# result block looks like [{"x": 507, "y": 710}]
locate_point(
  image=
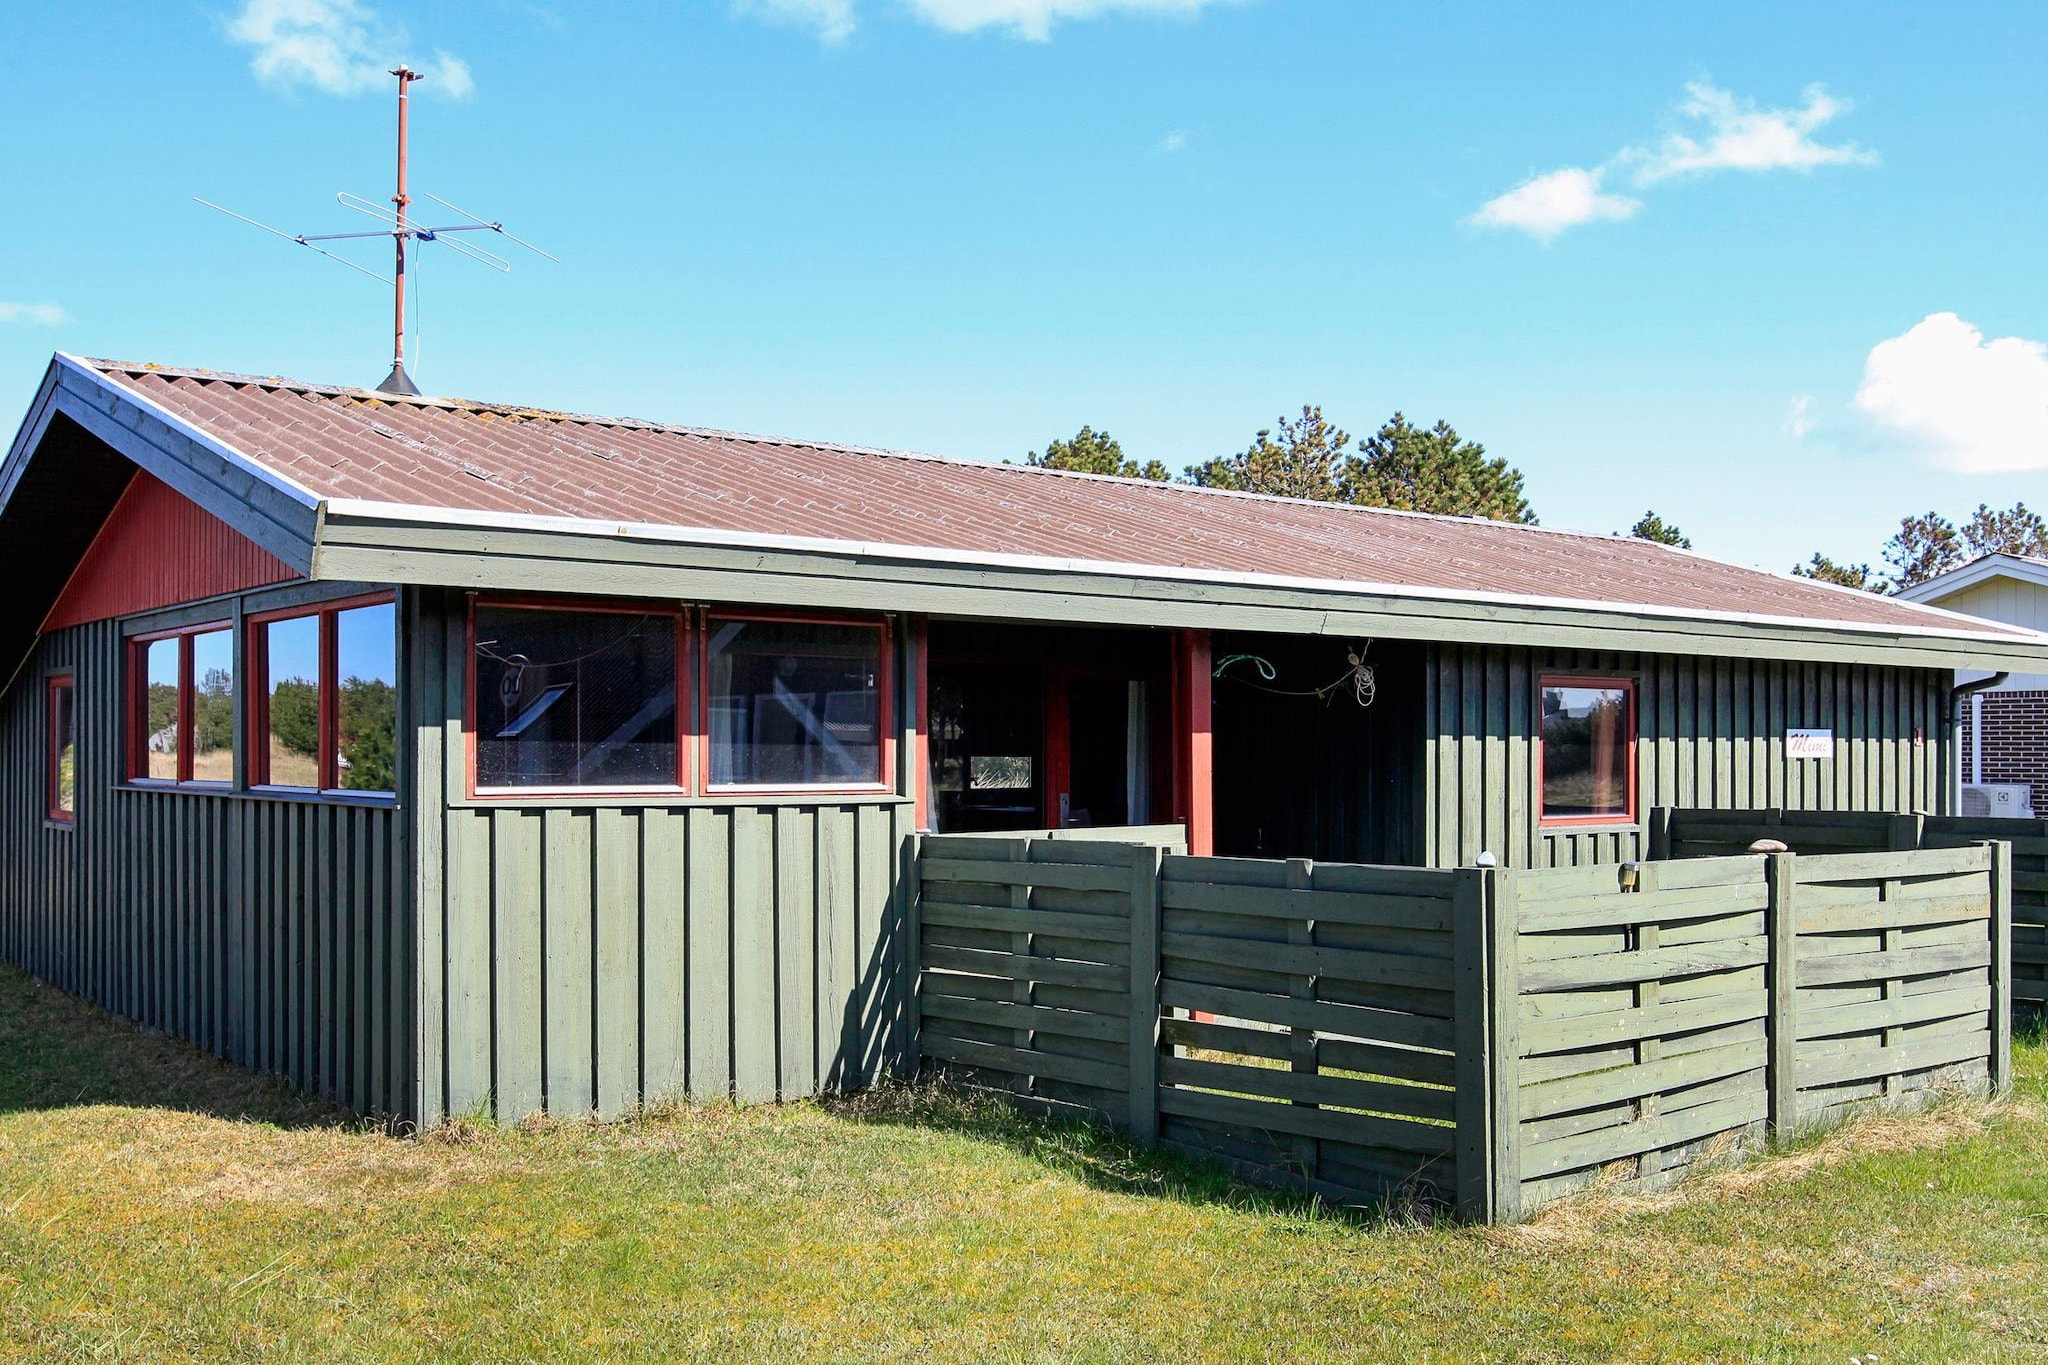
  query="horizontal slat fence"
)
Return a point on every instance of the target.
[
  {"x": 1641, "y": 1020},
  {"x": 1314, "y": 1035},
  {"x": 1479, "y": 1039},
  {"x": 1700, "y": 833},
  {"x": 1894, "y": 969}
]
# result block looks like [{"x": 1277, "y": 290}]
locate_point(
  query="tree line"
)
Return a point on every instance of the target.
[
  {"x": 1929, "y": 544},
  {"x": 1402, "y": 466}
]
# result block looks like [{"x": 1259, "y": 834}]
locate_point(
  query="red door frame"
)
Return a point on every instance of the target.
[{"x": 1194, "y": 791}]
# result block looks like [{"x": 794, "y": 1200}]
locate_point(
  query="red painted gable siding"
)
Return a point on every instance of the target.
[{"x": 157, "y": 549}]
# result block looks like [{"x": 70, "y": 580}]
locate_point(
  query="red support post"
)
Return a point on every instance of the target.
[
  {"x": 1193, "y": 763},
  {"x": 918, "y": 648}
]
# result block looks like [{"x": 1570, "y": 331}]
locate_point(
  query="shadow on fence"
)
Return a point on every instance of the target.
[{"x": 1475, "y": 1039}]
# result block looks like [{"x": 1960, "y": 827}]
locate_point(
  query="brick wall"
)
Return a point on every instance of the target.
[{"x": 2015, "y": 741}]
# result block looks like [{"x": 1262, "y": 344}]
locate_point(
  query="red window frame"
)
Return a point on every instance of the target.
[
  {"x": 1605, "y": 683},
  {"x": 686, "y": 739},
  {"x": 53, "y": 807},
  {"x": 693, "y": 748},
  {"x": 257, "y": 663},
  {"x": 885, "y": 719},
  {"x": 138, "y": 704}
]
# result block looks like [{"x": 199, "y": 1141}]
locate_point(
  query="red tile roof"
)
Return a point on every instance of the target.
[{"x": 488, "y": 458}]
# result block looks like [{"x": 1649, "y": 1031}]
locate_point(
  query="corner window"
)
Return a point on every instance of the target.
[
  {"x": 62, "y": 803},
  {"x": 181, "y": 707},
  {"x": 578, "y": 697},
  {"x": 793, "y": 704},
  {"x": 325, "y": 714},
  {"x": 1588, "y": 745}
]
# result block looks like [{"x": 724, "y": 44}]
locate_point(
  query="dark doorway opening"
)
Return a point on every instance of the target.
[
  {"x": 1046, "y": 727},
  {"x": 1336, "y": 777}
]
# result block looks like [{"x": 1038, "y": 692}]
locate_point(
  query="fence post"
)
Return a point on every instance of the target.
[
  {"x": 913, "y": 928},
  {"x": 1903, "y": 833},
  {"x": 1144, "y": 1058},
  {"x": 1660, "y": 834},
  {"x": 1783, "y": 928},
  {"x": 2001, "y": 967},
  {"x": 1486, "y": 1027}
]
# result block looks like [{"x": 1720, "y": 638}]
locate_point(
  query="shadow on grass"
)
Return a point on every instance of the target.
[
  {"x": 1103, "y": 1158},
  {"x": 59, "y": 1052}
]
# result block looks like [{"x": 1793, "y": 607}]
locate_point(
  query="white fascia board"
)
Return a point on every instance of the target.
[
  {"x": 198, "y": 435},
  {"x": 751, "y": 540},
  {"x": 1977, "y": 571}
]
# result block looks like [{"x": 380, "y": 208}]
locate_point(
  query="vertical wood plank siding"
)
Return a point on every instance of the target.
[
  {"x": 1711, "y": 733},
  {"x": 273, "y": 933},
  {"x": 592, "y": 957}
]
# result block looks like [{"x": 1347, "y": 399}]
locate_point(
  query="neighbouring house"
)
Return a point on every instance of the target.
[
  {"x": 2003, "y": 737},
  {"x": 445, "y": 755}
]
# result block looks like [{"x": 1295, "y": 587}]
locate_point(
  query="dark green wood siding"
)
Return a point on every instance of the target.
[
  {"x": 1711, "y": 734},
  {"x": 589, "y": 956},
  {"x": 273, "y": 933}
]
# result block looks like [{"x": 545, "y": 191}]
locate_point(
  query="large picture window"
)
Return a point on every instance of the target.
[
  {"x": 794, "y": 703},
  {"x": 324, "y": 716},
  {"x": 577, "y": 697},
  {"x": 1588, "y": 751},
  {"x": 62, "y": 801},
  {"x": 181, "y": 706}
]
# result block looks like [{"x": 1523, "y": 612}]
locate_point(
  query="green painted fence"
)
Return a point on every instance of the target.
[{"x": 1480, "y": 1039}]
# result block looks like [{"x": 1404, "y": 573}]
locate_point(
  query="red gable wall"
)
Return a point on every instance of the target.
[{"x": 157, "y": 549}]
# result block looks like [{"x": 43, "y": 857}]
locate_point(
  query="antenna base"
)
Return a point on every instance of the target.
[{"x": 398, "y": 381}]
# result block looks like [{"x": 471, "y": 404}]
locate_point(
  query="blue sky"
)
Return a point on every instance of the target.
[{"x": 1713, "y": 279}]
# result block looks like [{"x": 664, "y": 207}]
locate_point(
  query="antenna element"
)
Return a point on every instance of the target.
[{"x": 405, "y": 234}]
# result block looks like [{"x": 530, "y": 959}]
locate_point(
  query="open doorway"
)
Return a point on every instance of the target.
[
  {"x": 1046, "y": 727},
  {"x": 1315, "y": 756}
]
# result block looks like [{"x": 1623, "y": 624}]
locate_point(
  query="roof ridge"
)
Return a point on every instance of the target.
[{"x": 528, "y": 412}]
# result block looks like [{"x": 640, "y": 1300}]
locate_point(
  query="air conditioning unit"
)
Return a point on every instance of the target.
[{"x": 2004, "y": 800}]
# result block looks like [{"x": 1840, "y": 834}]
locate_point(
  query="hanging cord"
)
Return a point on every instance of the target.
[{"x": 1358, "y": 679}]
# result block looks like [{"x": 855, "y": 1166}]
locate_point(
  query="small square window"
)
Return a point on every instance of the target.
[
  {"x": 794, "y": 704},
  {"x": 326, "y": 716},
  {"x": 1588, "y": 744},
  {"x": 181, "y": 707}
]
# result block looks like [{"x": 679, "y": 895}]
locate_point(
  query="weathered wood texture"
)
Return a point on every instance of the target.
[
  {"x": 1643, "y": 1021},
  {"x": 590, "y": 956},
  {"x": 1696, "y": 833},
  {"x": 274, "y": 933},
  {"x": 1676, "y": 1018},
  {"x": 1711, "y": 734}
]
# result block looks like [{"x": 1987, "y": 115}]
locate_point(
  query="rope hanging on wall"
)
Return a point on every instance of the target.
[{"x": 1358, "y": 680}]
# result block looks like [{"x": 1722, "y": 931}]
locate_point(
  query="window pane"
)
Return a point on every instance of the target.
[
  {"x": 365, "y": 640},
  {"x": 213, "y": 706},
  {"x": 575, "y": 699},
  {"x": 64, "y": 728},
  {"x": 1586, "y": 751},
  {"x": 159, "y": 718},
  {"x": 291, "y": 651},
  {"x": 794, "y": 704}
]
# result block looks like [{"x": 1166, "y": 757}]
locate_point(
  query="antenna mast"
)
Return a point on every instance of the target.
[
  {"x": 399, "y": 381},
  {"x": 403, "y": 232}
]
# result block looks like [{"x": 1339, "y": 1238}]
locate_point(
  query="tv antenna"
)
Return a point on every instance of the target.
[{"x": 406, "y": 236}]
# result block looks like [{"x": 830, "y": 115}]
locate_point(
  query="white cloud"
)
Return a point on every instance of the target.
[
  {"x": 34, "y": 314},
  {"x": 832, "y": 20},
  {"x": 1735, "y": 136},
  {"x": 337, "y": 47},
  {"x": 1742, "y": 137},
  {"x": 1973, "y": 406},
  {"x": 1799, "y": 416},
  {"x": 1174, "y": 141},
  {"x": 1033, "y": 20},
  {"x": 1547, "y": 204}
]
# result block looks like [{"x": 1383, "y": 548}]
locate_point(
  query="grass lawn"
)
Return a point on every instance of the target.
[{"x": 155, "y": 1204}]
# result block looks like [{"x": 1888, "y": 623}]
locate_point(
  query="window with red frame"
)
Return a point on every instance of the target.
[
  {"x": 324, "y": 712},
  {"x": 62, "y": 805},
  {"x": 182, "y": 706},
  {"x": 1589, "y": 747},
  {"x": 582, "y": 697},
  {"x": 794, "y": 704}
]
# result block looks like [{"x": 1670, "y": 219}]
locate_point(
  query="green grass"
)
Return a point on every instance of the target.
[{"x": 156, "y": 1205}]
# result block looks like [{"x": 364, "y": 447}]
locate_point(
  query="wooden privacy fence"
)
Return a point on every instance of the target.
[
  {"x": 1480, "y": 1039},
  {"x": 1683, "y": 833}
]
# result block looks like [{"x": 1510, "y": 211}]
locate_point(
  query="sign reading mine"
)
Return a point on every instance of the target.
[{"x": 1809, "y": 744}]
